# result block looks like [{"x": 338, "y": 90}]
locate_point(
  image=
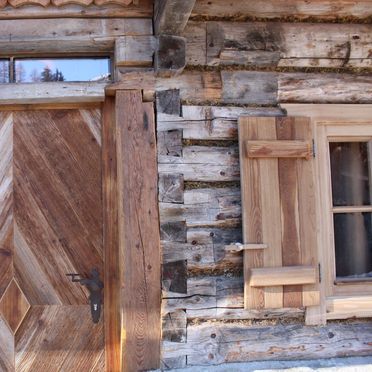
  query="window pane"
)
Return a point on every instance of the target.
[
  {"x": 353, "y": 244},
  {"x": 350, "y": 172},
  {"x": 4, "y": 71},
  {"x": 77, "y": 69}
]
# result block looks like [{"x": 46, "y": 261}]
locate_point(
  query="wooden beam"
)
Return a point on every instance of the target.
[
  {"x": 111, "y": 239},
  {"x": 56, "y": 93},
  {"x": 238, "y": 247},
  {"x": 143, "y": 9},
  {"x": 171, "y": 16},
  {"x": 278, "y": 149},
  {"x": 138, "y": 224},
  {"x": 290, "y": 275},
  {"x": 132, "y": 51},
  {"x": 95, "y": 36}
]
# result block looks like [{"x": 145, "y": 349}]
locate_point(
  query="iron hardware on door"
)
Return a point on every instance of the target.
[{"x": 94, "y": 286}]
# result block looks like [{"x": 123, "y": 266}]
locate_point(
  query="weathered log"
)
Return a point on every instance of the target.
[
  {"x": 143, "y": 9},
  {"x": 321, "y": 9},
  {"x": 134, "y": 50},
  {"x": 325, "y": 88},
  {"x": 272, "y": 44},
  {"x": 202, "y": 207}
]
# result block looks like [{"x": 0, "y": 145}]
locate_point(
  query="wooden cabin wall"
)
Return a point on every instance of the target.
[{"x": 244, "y": 58}]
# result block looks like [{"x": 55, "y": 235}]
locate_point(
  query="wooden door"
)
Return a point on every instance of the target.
[{"x": 50, "y": 225}]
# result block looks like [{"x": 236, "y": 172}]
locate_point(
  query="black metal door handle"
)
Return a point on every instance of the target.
[{"x": 94, "y": 286}]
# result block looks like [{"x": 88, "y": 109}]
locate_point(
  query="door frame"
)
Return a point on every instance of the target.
[{"x": 131, "y": 231}]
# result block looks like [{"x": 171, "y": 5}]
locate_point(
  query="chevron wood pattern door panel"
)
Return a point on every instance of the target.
[{"x": 50, "y": 225}]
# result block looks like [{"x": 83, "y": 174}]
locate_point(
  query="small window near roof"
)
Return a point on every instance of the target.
[
  {"x": 351, "y": 169},
  {"x": 4, "y": 71},
  {"x": 61, "y": 69}
]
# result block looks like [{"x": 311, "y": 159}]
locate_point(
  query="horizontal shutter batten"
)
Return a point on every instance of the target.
[{"x": 278, "y": 149}]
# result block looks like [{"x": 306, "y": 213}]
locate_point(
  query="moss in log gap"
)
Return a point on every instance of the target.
[
  {"x": 222, "y": 269},
  {"x": 209, "y": 143},
  {"x": 218, "y": 103},
  {"x": 285, "y": 319},
  {"x": 194, "y": 185},
  {"x": 239, "y": 17},
  {"x": 283, "y": 69}
]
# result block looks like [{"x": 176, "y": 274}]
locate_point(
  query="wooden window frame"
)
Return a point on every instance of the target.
[{"x": 346, "y": 300}]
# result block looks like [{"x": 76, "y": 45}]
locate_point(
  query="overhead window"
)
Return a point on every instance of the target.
[{"x": 36, "y": 70}]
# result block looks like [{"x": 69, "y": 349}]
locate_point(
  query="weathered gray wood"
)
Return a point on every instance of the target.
[
  {"x": 202, "y": 163},
  {"x": 279, "y": 44},
  {"x": 171, "y": 16},
  {"x": 174, "y": 326},
  {"x": 134, "y": 50},
  {"x": 59, "y": 92},
  {"x": 249, "y": 87},
  {"x": 173, "y": 232},
  {"x": 142, "y": 9},
  {"x": 170, "y": 143},
  {"x": 174, "y": 276},
  {"x": 325, "y": 88},
  {"x": 168, "y": 102},
  {"x": 177, "y": 362},
  {"x": 294, "y": 342},
  {"x": 170, "y": 55},
  {"x": 208, "y": 122},
  {"x": 322, "y": 9},
  {"x": 171, "y": 188},
  {"x": 202, "y": 207},
  {"x": 30, "y": 36}
]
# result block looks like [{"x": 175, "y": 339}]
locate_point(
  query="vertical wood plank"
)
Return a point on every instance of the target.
[
  {"x": 139, "y": 241},
  {"x": 271, "y": 217},
  {"x": 111, "y": 239},
  {"x": 252, "y": 221},
  {"x": 307, "y": 211},
  {"x": 6, "y": 197},
  {"x": 291, "y": 254}
]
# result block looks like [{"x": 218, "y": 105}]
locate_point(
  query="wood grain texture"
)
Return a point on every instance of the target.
[
  {"x": 51, "y": 213},
  {"x": 111, "y": 239},
  {"x": 139, "y": 240},
  {"x": 278, "y": 149},
  {"x": 288, "y": 188},
  {"x": 252, "y": 214},
  {"x": 65, "y": 334},
  {"x": 13, "y": 306},
  {"x": 58, "y": 3},
  {"x": 322, "y": 9},
  {"x": 171, "y": 16},
  {"x": 290, "y": 275},
  {"x": 143, "y": 9},
  {"x": 6, "y": 197},
  {"x": 283, "y": 209}
]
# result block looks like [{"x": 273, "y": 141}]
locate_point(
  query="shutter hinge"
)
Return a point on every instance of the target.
[
  {"x": 314, "y": 149},
  {"x": 320, "y": 273}
]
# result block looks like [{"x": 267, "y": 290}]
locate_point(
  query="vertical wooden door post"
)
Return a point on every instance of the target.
[{"x": 132, "y": 133}]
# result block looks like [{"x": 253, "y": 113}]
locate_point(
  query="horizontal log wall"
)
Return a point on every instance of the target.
[{"x": 242, "y": 62}]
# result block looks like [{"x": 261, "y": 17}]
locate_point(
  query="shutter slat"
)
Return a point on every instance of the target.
[
  {"x": 252, "y": 229},
  {"x": 278, "y": 210},
  {"x": 270, "y": 201}
]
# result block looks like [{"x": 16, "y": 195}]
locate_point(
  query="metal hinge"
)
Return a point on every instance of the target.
[
  {"x": 320, "y": 273},
  {"x": 314, "y": 150}
]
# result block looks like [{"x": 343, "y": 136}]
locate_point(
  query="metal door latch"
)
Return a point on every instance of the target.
[{"x": 94, "y": 286}]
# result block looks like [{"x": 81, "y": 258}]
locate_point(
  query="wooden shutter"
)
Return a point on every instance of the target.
[{"x": 278, "y": 199}]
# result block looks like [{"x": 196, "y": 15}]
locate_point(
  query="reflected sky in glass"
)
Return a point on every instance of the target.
[
  {"x": 4, "y": 71},
  {"x": 78, "y": 69}
]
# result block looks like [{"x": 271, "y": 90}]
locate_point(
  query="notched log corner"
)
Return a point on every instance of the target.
[
  {"x": 170, "y": 55},
  {"x": 175, "y": 276}
]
